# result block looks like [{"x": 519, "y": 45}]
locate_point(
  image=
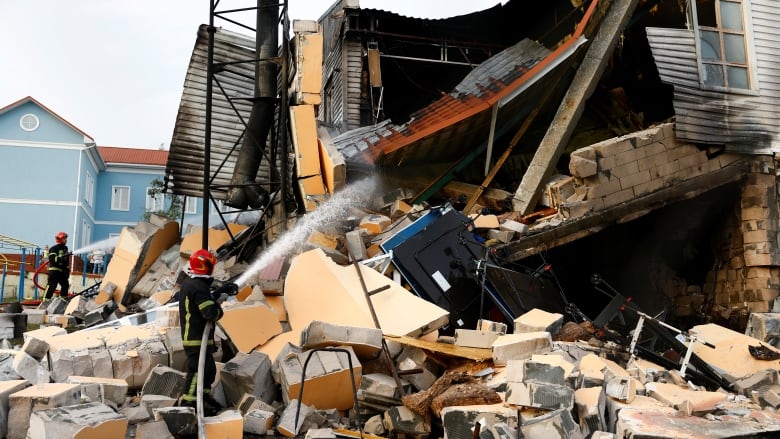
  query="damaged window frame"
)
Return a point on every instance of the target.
[{"x": 716, "y": 27}]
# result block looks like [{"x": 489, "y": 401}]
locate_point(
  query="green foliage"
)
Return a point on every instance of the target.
[{"x": 174, "y": 203}]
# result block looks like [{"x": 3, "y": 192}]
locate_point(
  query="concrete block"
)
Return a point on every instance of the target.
[
  {"x": 136, "y": 250},
  {"x": 757, "y": 382},
  {"x": 544, "y": 396},
  {"x": 537, "y": 320},
  {"x": 555, "y": 424},
  {"x": 248, "y": 373},
  {"x": 320, "y": 433},
  {"x": 134, "y": 352},
  {"x": 104, "y": 313},
  {"x": 484, "y": 221},
  {"x": 181, "y": 421},
  {"x": 177, "y": 358},
  {"x": 8, "y": 388},
  {"x": 355, "y": 245},
  {"x": 762, "y": 326},
  {"x": 582, "y": 167},
  {"x": 402, "y": 422},
  {"x": 57, "y": 305},
  {"x": 90, "y": 420},
  {"x": 731, "y": 355},
  {"x": 77, "y": 307},
  {"x": 513, "y": 226},
  {"x": 590, "y": 404},
  {"x": 227, "y": 424},
  {"x": 504, "y": 236},
  {"x": 34, "y": 316},
  {"x": 153, "y": 430},
  {"x": 520, "y": 346},
  {"x": 35, "y": 347},
  {"x": 366, "y": 342},
  {"x": 379, "y": 392},
  {"x": 81, "y": 353},
  {"x": 287, "y": 426},
  {"x": 30, "y": 369},
  {"x": 327, "y": 382},
  {"x": 666, "y": 423},
  {"x": 421, "y": 380},
  {"x": 491, "y": 326},
  {"x": 474, "y": 338},
  {"x": 543, "y": 373},
  {"x": 458, "y": 421},
  {"x": 153, "y": 402},
  {"x": 164, "y": 380},
  {"x": 259, "y": 316},
  {"x": 621, "y": 388},
  {"x": 259, "y": 421},
  {"x": 334, "y": 167},
  {"x": 135, "y": 414},
  {"x": 34, "y": 398},
  {"x": 676, "y": 396},
  {"x": 374, "y": 224}
]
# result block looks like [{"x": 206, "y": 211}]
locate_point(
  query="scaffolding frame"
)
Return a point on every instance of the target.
[{"x": 277, "y": 157}]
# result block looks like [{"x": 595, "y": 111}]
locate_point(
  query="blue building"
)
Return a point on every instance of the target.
[{"x": 54, "y": 177}]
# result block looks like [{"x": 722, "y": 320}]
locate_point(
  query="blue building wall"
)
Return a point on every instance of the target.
[{"x": 44, "y": 180}]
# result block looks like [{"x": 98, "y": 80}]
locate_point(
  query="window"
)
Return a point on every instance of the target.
[
  {"x": 89, "y": 189},
  {"x": 191, "y": 205},
  {"x": 723, "y": 53},
  {"x": 86, "y": 233},
  {"x": 220, "y": 206},
  {"x": 120, "y": 198},
  {"x": 154, "y": 201},
  {"x": 29, "y": 122}
]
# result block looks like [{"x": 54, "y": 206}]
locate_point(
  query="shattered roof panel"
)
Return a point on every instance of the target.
[
  {"x": 187, "y": 151},
  {"x": 458, "y": 121}
]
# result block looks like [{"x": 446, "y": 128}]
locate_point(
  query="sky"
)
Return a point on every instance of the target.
[{"x": 115, "y": 68}]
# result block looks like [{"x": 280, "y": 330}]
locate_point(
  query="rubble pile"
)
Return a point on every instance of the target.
[{"x": 317, "y": 348}]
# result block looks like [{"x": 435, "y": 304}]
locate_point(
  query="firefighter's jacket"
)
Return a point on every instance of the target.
[
  {"x": 59, "y": 259},
  {"x": 196, "y": 307}
]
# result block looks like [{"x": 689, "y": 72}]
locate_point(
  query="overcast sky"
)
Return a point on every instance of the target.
[{"x": 115, "y": 68}]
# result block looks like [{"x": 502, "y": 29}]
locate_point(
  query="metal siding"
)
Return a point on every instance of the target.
[
  {"x": 186, "y": 158},
  {"x": 744, "y": 122},
  {"x": 332, "y": 78},
  {"x": 353, "y": 57}
]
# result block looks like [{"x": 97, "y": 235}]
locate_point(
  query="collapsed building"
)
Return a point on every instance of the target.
[{"x": 539, "y": 220}]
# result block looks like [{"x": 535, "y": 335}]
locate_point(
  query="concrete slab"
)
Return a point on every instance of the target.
[
  {"x": 92, "y": 420},
  {"x": 238, "y": 316},
  {"x": 345, "y": 303}
]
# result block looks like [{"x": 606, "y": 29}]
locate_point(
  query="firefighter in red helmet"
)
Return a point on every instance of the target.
[
  {"x": 59, "y": 266},
  {"x": 198, "y": 305}
]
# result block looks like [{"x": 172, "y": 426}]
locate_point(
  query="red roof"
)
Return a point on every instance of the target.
[{"x": 133, "y": 156}]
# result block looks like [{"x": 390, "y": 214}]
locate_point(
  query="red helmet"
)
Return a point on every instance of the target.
[
  {"x": 202, "y": 262},
  {"x": 60, "y": 237}
]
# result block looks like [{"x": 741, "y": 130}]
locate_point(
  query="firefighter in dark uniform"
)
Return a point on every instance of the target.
[
  {"x": 198, "y": 305},
  {"x": 59, "y": 266}
]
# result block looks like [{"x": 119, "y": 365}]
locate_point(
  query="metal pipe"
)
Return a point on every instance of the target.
[
  {"x": 207, "y": 135},
  {"x": 246, "y": 192}
]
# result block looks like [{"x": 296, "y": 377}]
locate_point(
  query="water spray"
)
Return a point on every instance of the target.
[
  {"x": 106, "y": 244},
  {"x": 333, "y": 210}
]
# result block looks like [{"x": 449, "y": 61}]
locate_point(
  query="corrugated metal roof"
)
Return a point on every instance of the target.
[
  {"x": 186, "y": 157},
  {"x": 747, "y": 123},
  {"x": 457, "y": 122},
  {"x": 133, "y": 156}
]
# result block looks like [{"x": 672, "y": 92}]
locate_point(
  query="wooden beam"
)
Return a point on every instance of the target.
[{"x": 571, "y": 108}]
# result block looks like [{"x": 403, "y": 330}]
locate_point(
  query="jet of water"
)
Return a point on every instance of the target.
[
  {"x": 333, "y": 210},
  {"x": 106, "y": 244}
]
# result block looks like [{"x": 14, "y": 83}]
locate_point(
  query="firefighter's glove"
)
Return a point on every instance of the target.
[{"x": 221, "y": 294}]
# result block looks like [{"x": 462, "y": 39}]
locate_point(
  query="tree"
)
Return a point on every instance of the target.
[{"x": 172, "y": 204}]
